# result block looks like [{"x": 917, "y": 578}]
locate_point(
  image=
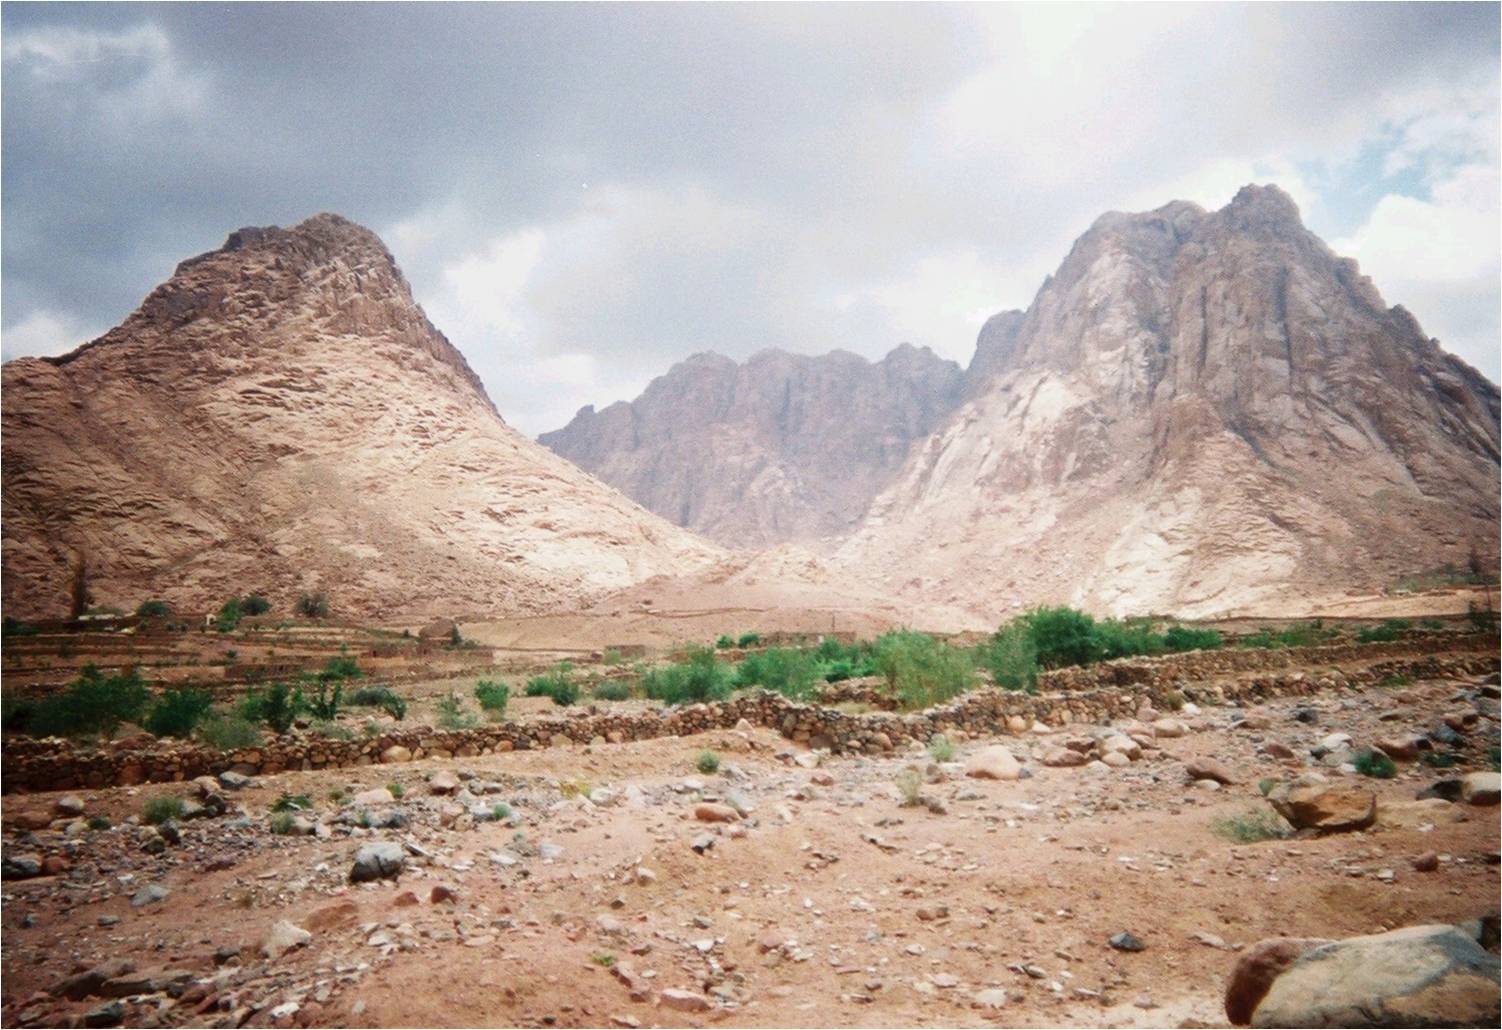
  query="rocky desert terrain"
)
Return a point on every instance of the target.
[{"x": 1103, "y": 852}]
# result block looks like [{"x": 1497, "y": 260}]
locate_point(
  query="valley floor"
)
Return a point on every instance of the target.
[{"x": 829, "y": 904}]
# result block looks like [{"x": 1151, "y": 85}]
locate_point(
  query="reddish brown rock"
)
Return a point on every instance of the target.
[{"x": 1256, "y": 970}]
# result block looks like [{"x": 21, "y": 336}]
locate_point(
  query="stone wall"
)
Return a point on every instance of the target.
[{"x": 53, "y": 764}]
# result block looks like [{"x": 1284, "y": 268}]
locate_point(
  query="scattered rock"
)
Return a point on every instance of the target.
[
  {"x": 1125, "y": 941},
  {"x": 1309, "y": 804},
  {"x": 1428, "y": 862},
  {"x": 282, "y": 938},
  {"x": 993, "y": 763},
  {"x": 685, "y": 1001},
  {"x": 382, "y": 860},
  {"x": 1481, "y": 788},
  {"x": 1256, "y": 970},
  {"x": 1209, "y": 769},
  {"x": 150, "y": 894},
  {"x": 711, "y": 812}
]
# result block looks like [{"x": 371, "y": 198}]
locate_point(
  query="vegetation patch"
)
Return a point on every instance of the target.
[
  {"x": 493, "y": 698},
  {"x": 1388, "y": 631},
  {"x": 93, "y": 704},
  {"x": 453, "y": 716},
  {"x": 1250, "y": 827},
  {"x": 1375, "y": 764},
  {"x": 159, "y": 810},
  {"x": 920, "y": 670},
  {"x": 557, "y": 684},
  {"x": 611, "y": 691},
  {"x": 702, "y": 677},
  {"x": 177, "y": 712},
  {"x": 707, "y": 763},
  {"x": 228, "y": 731}
]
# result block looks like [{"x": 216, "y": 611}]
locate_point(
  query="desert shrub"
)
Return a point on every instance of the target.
[
  {"x": 1183, "y": 638},
  {"x": 1431, "y": 624},
  {"x": 701, "y": 677},
  {"x": 1123, "y": 638},
  {"x": 159, "y": 810},
  {"x": 558, "y": 685},
  {"x": 500, "y": 811},
  {"x": 292, "y": 803},
  {"x": 920, "y": 670},
  {"x": 1063, "y": 636},
  {"x": 1374, "y": 764},
  {"x": 1012, "y": 657},
  {"x": 603, "y": 959},
  {"x": 609, "y": 691},
  {"x": 12, "y": 627},
  {"x": 1388, "y": 631},
  {"x": 153, "y": 609},
  {"x": 371, "y": 697},
  {"x": 177, "y": 712},
  {"x": 574, "y": 788},
  {"x": 1395, "y": 680},
  {"x": 941, "y": 748},
  {"x": 338, "y": 668},
  {"x": 748, "y": 640},
  {"x": 910, "y": 788},
  {"x": 92, "y": 704},
  {"x": 281, "y": 823},
  {"x": 612, "y": 656},
  {"x": 1482, "y": 620},
  {"x": 1250, "y": 827},
  {"x": 707, "y": 763},
  {"x": 99, "y": 822},
  {"x": 312, "y": 606},
  {"x": 396, "y": 790},
  {"x": 723, "y": 642},
  {"x": 493, "y": 697},
  {"x": 452, "y": 715},
  {"x": 1305, "y": 635},
  {"x": 229, "y": 732},
  {"x": 254, "y": 604},
  {"x": 330, "y": 729},
  {"x": 326, "y": 705},
  {"x": 791, "y": 672},
  {"x": 229, "y": 615},
  {"x": 276, "y": 706}
]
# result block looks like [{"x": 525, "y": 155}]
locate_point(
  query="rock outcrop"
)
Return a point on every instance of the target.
[
  {"x": 783, "y": 448},
  {"x": 280, "y": 416},
  {"x": 1201, "y": 412}
]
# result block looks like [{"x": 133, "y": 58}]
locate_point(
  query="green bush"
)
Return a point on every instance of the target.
[
  {"x": 326, "y": 705},
  {"x": 229, "y": 732},
  {"x": 159, "y": 810},
  {"x": 11, "y": 627},
  {"x": 1482, "y": 620},
  {"x": 254, "y": 604},
  {"x": 792, "y": 673},
  {"x": 1388, "y": 631},
  {"x": 610, "y": 691},
  {"x": 557, "y": 685},
  {"x": 99, "y": 822},
  {"x": 702, "y": 677},
  {"x": 313, "y": 606},
  {"x": 910, "y": 788},
  {"x": 1183, "y": 638},
  {"x": 920, "y": 670},
  {"x": 177, "y": 712},
  {"x": 941, "y": 748},
  {"x": 229, "y": 615},
  {"x": 500, "y": 811},
  {"x": 92, "y": 704},
  {"x": 153, "y": 610},
  {"x": 748, "y": 640},
  {"x": 281, "y": 823},
  {"x": 493, "y": 697},
  {"x": 277, "y": 707},
  {"x": 1375, "y": 764},
  {"x": 1250, "y": 827},
  {"x": 723, "y": 643},
  {"x": 1012, "y": 657},
  {"x": 380, "y": 697},
  {"x": 292, "y": 803},
  {"x": 452, "y": 715},
  {"x": 1306, "y": 635},
  {"x": 707, "y": 763},
  {"x": 339, "y": 668},
  {"x": 1063, "y": 636}
]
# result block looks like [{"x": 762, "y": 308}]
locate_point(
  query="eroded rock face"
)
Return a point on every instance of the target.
[
  {"x": 783, "y": 448},
  {"x": 281, "y": 416},
  {"x": 1200, "y": 411}
]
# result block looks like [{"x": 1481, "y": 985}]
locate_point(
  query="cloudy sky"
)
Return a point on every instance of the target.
[{"x": 581, "y": 195}]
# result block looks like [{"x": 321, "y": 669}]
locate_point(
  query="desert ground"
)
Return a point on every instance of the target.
[{"x": 639, "y": 884}]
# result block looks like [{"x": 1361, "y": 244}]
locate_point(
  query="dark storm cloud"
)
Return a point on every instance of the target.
[{"x": 582, "y": 194}]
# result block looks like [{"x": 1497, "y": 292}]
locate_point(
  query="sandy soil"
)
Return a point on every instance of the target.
[{"x": 830, "y": 905}]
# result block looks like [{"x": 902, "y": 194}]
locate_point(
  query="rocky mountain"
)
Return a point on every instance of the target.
[
  {"x": 280, "y": 416},
  {"x": 783, "y": 448},
  {"x": 1200, "y": 412}
]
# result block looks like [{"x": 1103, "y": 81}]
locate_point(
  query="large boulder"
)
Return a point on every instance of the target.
[
  {"x": 1256, "y": 970},
  {"x": 1309, "y": 803},
  {"x": 1419, "y": 976},
  {"x": 439, "y": 629},
  {"x": 993, "y": 763}
]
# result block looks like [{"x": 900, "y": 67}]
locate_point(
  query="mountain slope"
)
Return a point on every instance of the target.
[
  {"x": 784, "y": 447},
  {"x": 280, "y": 416},
  {"x": 1199, "y": 412}
]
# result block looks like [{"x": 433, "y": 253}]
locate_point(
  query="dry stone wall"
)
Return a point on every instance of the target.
[{"x": 53, "y": 764}]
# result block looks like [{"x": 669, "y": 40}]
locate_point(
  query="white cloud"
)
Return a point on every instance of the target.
[
  {"x": 1439, "y": 258},
  {"x": 124, "y": 78},
  {"x": 44, "y": 332}
]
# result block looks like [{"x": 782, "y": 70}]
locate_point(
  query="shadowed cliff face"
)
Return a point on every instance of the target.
[
  {"x": 782, "y": 448},
  {"x": 1199, "y": 411},
  {"x": 280, "y": 416}
]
